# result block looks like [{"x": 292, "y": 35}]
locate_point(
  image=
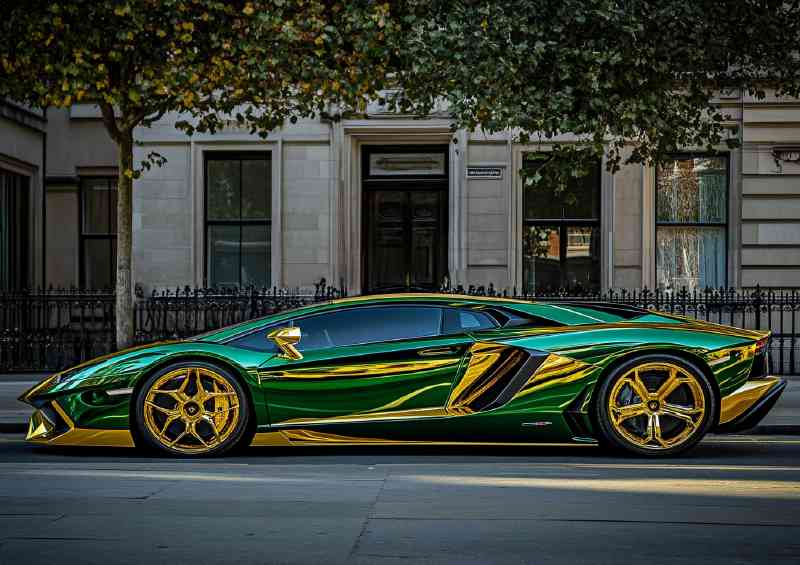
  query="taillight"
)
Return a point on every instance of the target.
[{"x": 761, "y": 345}]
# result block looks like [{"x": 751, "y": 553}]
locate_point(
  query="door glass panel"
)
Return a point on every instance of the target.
[
  {"x": 223, "y": 255},
  {"x": 223, "y": 189},
  {"x": 99, "y": 206},
  {"x": 582, "y": 264},
  {"x": 542, "y": 258},
  {"x": 690, "y": 257},
  {"x": 256, "y": 182},
  {"x": 96, "y": 255},
  {"x": 693, "y": 190},
  {"x": 368, "y": 325},
  {"x": 255, "y": 255}
]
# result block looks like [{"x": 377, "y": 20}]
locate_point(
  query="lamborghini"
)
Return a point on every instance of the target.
[{"x": 420, "y": 368}]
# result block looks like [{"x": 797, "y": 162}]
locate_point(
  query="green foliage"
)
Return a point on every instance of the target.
[
  {"x": 257, "y": 62},
  {"x": 633, "y": 80}
]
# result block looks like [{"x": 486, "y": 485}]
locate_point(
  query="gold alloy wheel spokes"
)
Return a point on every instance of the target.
[
  {"x": 657, "y": 405},
  {"x": 192, "y": 410}
]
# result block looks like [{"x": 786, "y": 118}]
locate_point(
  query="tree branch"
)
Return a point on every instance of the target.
[{"x": 110, "y": 121}]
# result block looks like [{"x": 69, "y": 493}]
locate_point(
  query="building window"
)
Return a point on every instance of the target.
[
  {"x": 692, "y": 222},
  {"x": 238, "y": 219},
  {"x": 561, "y": 234},
  {"x": 98, "y": 250},
  {"x": 14, "y": 232}
]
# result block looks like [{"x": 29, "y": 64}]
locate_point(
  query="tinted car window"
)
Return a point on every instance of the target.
[
  {"x": 368, "y": 325},
  {"x": 458, "y": 321},
  {"x": 257, "y": 341}
]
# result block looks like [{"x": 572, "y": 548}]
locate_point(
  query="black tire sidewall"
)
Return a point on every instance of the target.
[
  {"x": 611, "y": 438},
  {"x": 230, "y": 442}
]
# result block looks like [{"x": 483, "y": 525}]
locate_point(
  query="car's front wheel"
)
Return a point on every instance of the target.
[
  {"x": 655, "y": 405},
  {"x": 192, "y": 408}
]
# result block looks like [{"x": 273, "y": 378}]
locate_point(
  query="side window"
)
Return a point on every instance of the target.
[
  {"x": 458, "y": 321},
  {"x": 257, "y": 341},
  {"x": 352, "y": 327},
  {"x": 368, "y": 325}
]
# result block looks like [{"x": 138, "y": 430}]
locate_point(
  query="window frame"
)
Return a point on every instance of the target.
[
  {"x": 726, "y": 225},
  {"x": 563, "y": 224},
  {"x": 243, "y": 155},
  {"x": 83, "y": 235}
]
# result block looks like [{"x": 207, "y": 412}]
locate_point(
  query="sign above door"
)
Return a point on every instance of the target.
[{"x": 406, "y": 164}]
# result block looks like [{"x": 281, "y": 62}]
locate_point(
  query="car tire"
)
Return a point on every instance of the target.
[
  {"x": 191, "y": 409},
  {"x": 654, "y": 405}
]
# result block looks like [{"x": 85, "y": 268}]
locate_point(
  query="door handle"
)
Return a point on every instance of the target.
[{"x": 430, "y": 352}]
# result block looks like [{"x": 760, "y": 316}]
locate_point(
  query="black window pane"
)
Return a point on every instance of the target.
[
  {"x": 582, "y": 196},
  {"x": 223, "y": 189},
  {"x": 541, "y": 258},
  {"x": 14, "y": 231},
  {"x": 541, "y": 202},
  {"x": 98, "y": 268},
  {"x": 582, "y": 261},
  {"x": 223, "y": 255},
  {"x": 99, "y": 205},
  {"x": 368, "y": 325},
  {"x": 692, "y": 190},
  {"x": 255, "y": 252},
  {"x": 578, "y": 199},
  {"x": 256, "y": 182}
]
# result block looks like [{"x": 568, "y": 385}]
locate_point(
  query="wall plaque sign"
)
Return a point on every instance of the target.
[
  {"x": 495, "y": 173},
  {"x": 401, "y": 164}
]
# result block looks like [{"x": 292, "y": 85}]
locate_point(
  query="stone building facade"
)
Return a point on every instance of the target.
[{"x": 386, "y": 202}]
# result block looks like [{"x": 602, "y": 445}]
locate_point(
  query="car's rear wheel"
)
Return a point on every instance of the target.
[
  {"x": 655, "y": 405},
  {"x": 194, "y": 409}
]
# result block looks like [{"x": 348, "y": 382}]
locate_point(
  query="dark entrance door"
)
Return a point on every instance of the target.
[{"x": 405, "y": 218}]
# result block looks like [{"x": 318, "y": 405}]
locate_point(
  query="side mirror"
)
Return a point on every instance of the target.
[{"x": 286, "y": 339}]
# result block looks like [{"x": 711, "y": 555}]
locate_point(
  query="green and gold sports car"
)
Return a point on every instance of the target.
[{"x": 420, "y": 368}]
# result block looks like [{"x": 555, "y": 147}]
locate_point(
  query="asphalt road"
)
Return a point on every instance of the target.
[{"x": 731, "y": 500}]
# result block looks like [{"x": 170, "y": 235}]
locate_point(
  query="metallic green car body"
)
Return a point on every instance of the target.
[{"x": 472, "y": 387}]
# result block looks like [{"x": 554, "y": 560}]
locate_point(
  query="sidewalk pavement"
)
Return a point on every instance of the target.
[{"x": 783, "y": 419}]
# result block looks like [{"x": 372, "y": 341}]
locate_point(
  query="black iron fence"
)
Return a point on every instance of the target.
[{"x": 53, "y": 329}]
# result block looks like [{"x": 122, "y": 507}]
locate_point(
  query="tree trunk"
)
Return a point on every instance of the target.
[{"x": 124, "y": 306}]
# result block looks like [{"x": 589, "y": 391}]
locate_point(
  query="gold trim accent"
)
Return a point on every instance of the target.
[
  {"x": 555, "y": 370},
  {"x": 39, "y": 427},
  {"x": 38, "y": 388},
  {"x": 653, "y": 406},
  {"x": 286, "y": 338},
  {"x": 273, "y": 439},
  {"x": 201, "y": 403},
  {"x": 75, "y": 436},
  {"x": 740, "y": 400},
  {"x": 369, "y": 417},
  {"x": 313, "y": 437},
  {"x": 482, "y": 359},
  {"x": 358, "y": 369}
]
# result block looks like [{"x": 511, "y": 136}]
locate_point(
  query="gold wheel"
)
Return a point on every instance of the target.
[
  {"x": 191, "y": 410},
  {"x": 657, "y": 406}
]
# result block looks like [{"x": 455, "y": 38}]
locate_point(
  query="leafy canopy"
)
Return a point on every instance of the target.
[
  {"x": 632, "y": 79},
  {"x": 258, "y": 62}
]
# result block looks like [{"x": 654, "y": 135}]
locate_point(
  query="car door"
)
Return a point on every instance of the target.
[{"x": 365, "y": 364}]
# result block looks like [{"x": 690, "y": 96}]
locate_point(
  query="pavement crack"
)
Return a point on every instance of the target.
[{"x": 367, "y": 518}]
